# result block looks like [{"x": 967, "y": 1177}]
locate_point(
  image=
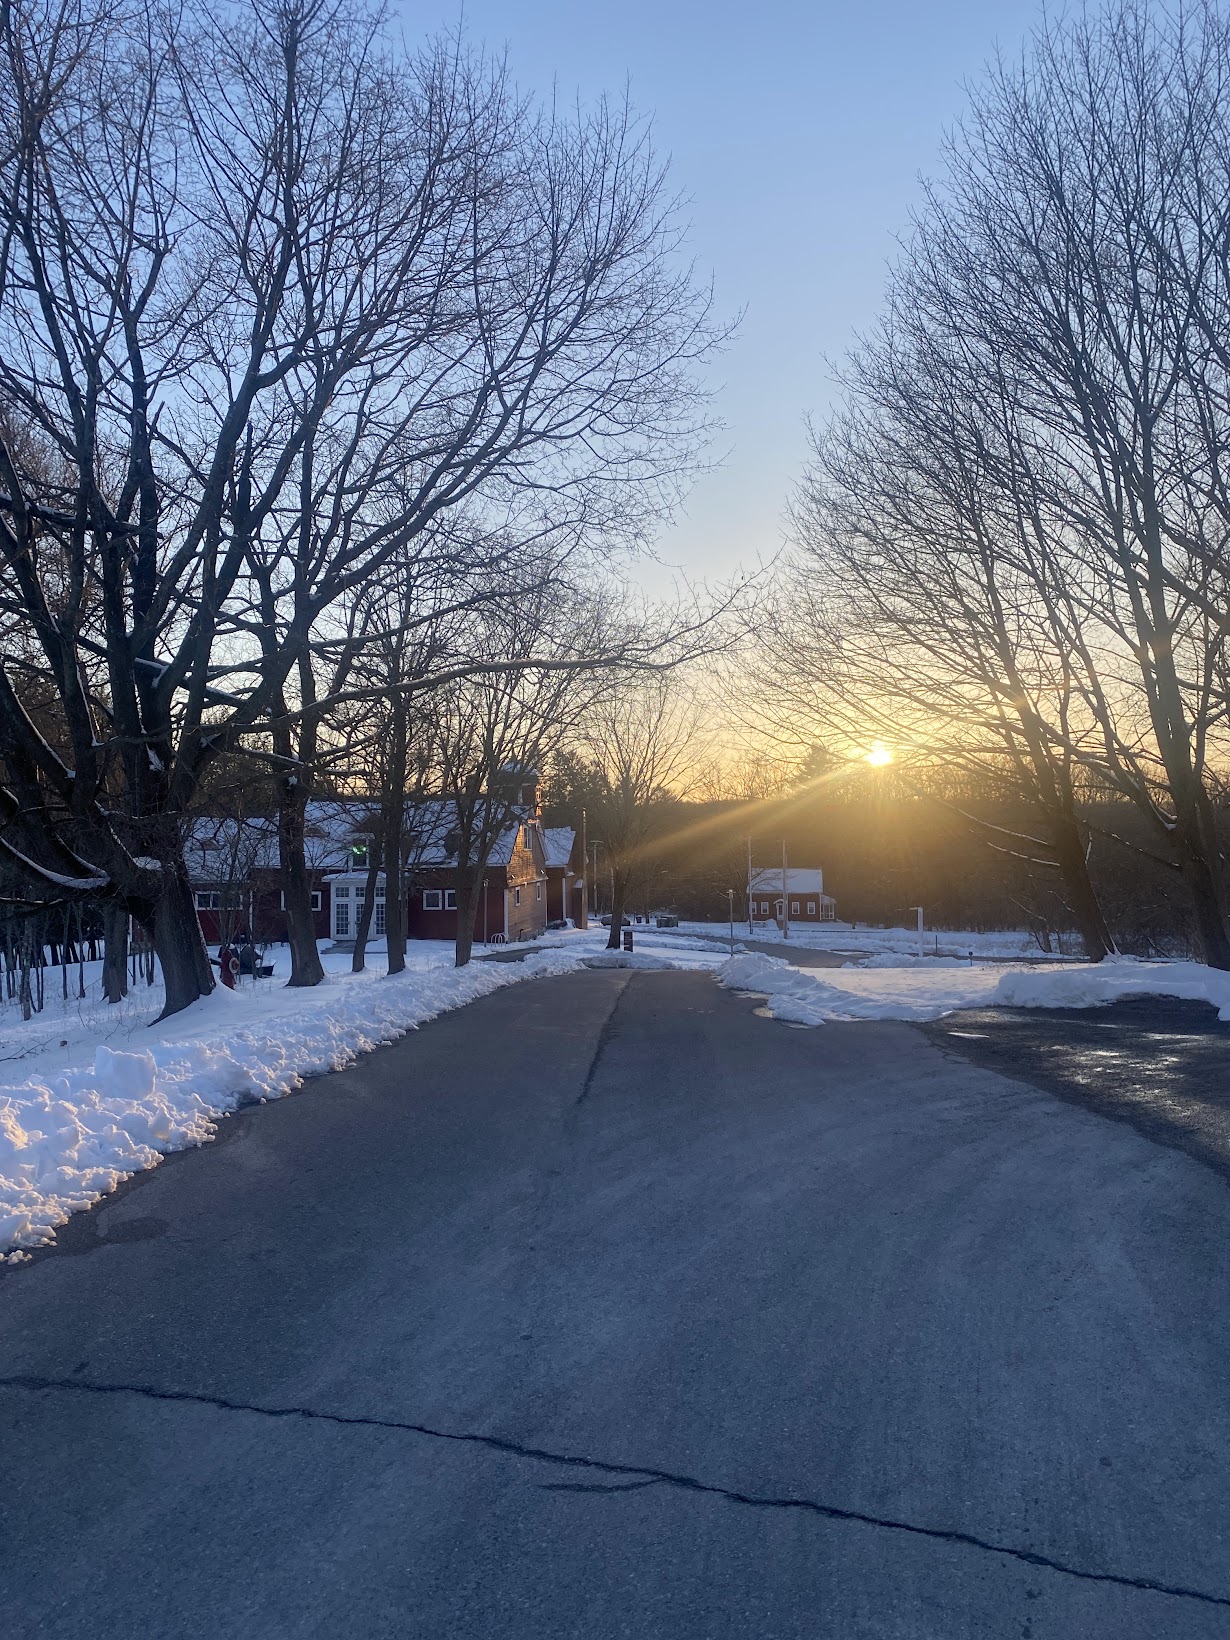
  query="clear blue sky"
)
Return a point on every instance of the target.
[{"x": 799, "y": 132}]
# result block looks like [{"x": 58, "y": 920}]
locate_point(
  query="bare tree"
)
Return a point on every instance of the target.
[
  {"x": 278, "y": 296},
  {"x": 641, "y": 738},
  {"x": 1020, "y": 529},
  {"x": 493, "y": 734}
]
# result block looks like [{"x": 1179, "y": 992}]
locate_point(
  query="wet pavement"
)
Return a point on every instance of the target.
[{"x": 1159, "y": 1064}]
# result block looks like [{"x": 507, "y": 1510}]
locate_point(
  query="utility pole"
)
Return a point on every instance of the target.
[
  {"x": 785, "y": 894},
  {"x": 584, "y": 876},
  {"x": 730, "y": 897}
]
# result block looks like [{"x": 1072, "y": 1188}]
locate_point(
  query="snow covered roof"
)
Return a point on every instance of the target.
[
  {"x": 802, "y": 880},
  {"x": 557, "y": 842},
  {"x": 227, "y": 850},
  {"x": 429, "y": 826}
]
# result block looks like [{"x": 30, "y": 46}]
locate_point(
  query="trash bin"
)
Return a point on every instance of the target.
[{"x": 627, "y": 939}]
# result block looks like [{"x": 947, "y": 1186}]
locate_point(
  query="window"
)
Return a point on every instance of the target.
[
  {"x": 764, "y": 908},
  {"x": 341, "y": 892},
  {"x": 218, "y": 899},
  {"x": 431, "y": 899},
  {"x": 341, "y": 920},
  {"x": 378, "y": 919},
  {"x": 811, "y": 908},
  {"x": 516, "y": 896},
  {"x": 794, "y": 908},
  {"x": 358, "y": 855},
  {"x": 538, "y": 891},
  {"x": 316, "y": 900},
  {"x": 450, "y": 899}
]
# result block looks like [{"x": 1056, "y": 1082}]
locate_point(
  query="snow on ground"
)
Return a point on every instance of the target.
[
  {"x": 103, "y": 1093},
  {"x": 924, "y": 991},
  {"x": 94, "y": 1093},
  {"x": 837, "y": 936}
]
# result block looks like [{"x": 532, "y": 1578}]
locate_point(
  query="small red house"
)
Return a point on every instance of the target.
[{"x": 802, "y": 887}]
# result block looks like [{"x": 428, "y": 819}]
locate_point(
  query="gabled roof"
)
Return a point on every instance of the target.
[
  {"x": 557, "y": 844},
  {"x": 802, "y": 880}
]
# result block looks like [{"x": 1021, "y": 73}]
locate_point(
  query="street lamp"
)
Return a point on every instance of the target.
[{"x": 730, "y": 902}]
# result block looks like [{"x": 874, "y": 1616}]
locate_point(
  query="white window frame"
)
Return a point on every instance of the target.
[
  {"x": 218, "y": 899},
  {"x": 811, "y": 908},
  {"x": 794, "y": 908},
  {"x": 317, "y": 900},
  {"x": 341, "y": 919},
  {"x": 450, "y": 899},
  {"x": 379, "y": 926},
  {"x": 432, "y": 899}
]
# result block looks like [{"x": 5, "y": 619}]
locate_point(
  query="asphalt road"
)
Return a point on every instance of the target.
[{"x": 605, "y": 1307}]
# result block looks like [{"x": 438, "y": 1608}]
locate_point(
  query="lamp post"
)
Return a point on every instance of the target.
[
  {"x": 919, "y": 910},
  {"x": 730, "y": 902}
]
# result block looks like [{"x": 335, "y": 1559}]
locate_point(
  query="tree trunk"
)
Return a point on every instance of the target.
[
  {"x": 391, "y": 827},
  {"x": 115, "y": 952},
  {"x": 467, "y": 879},
  {"x": 366, "y": 911},
  {"x": 1074, "y": 868},
  {"x": 306, "y": 967},
  {"x": 1202, "y": 881},
  {"x": 392, "y": 823},
  {"x": 179, "y": 944}
]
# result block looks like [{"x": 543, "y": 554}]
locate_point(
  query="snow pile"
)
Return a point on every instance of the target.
[
  {"x": 892, "y": 959},
  {"x": 629, "y": 959},
  {"x": 921, "y": 993},
  {"x": 838, "y": 936},
  {"x": 68, "y": 1138}
]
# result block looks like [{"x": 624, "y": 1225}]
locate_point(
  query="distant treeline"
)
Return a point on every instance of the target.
[{"x": 884, "y": 850}]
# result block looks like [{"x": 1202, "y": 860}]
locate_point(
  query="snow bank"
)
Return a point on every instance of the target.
[
  {"x": 945, "y": 942},
  {"x": 67, "y": 1139},
  {"x": 921, "y": 992}
]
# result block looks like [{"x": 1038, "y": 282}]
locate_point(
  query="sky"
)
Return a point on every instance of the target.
[{"x": 799, "y": 133}]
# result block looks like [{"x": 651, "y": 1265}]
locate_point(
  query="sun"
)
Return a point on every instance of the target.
[{"x": 879, "y": 755}]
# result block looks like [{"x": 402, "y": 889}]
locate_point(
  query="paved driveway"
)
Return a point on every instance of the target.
[{"x": 605, "y": 1307}]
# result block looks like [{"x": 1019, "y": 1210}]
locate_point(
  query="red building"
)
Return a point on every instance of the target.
[
  {"x": 803, "y": 888},
  {"x": 233, "y": 865}
]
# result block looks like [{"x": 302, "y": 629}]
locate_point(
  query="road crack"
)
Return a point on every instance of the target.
[
  {"x": 606, "y": 1031},
  {"x": 643, "y": 1475}
]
